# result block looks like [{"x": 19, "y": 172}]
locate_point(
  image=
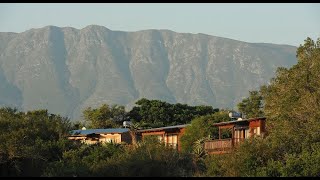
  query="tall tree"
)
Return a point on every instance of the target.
[
  {"x": 294, "y": 94},
  {"x": 105, "y": 116},
  {"x": 252, "y": 106},
  {"x": 292, "y": 100},
  {"x": 291, "y": 105}
]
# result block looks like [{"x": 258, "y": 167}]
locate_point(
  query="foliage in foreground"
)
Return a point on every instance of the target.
[
  {"x": 28, "y": 141},
  {"x": 150, "y": 158}
]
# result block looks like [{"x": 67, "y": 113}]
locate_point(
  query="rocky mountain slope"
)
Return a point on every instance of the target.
[{"x": 66, "y": 70}]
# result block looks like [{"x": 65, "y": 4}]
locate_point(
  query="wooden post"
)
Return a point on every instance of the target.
[
  {"x": 166, "y": 136},
  {"x": 232, "y": 136},
  {"x": 219, "y": 133}
]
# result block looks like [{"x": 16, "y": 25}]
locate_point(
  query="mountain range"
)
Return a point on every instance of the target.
[{"x": 66, "y": 70}]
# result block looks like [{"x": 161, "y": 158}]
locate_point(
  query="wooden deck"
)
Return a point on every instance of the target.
[{"x": 220, "y": 146}]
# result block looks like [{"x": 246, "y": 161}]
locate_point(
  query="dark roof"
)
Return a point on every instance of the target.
[
  {"x": 163, "y": 128},
  {"x": 238, "y": 121},
  {"x": 98, "y": 131}
]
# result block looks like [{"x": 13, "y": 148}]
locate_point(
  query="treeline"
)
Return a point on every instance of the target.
[
  {"x": 147, "y": 113},
  {"x": 35, "y": 144}
]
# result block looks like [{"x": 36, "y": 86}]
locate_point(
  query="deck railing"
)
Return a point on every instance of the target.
[
  {"x": 218, "y": 145},
  {"x": 221, "y": 145}
]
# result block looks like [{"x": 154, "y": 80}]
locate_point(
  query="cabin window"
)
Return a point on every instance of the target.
[
  {"x": 246, "y": 133},
  {"x": 172, "y": 140},
  {"x": 241, "y": 134},
  {"x": 226, "y": 133},
  {"x": 236, "y": 135},
  {"x": 255, "y": 131},
  {"x": 160, "y": 138}
]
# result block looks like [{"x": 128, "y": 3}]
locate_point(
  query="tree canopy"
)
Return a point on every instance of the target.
[
  {"x": 105, "y": 116},
  {"x": 156, "y": 113},
  {"x": 30, "y": 140},
  {"x": 252, "y": 106}
]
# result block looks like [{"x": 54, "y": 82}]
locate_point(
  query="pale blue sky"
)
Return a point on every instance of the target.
[{"x": 287, "y": 23}]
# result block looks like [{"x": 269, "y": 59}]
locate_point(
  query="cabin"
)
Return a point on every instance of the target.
[
  {"x": 240, "y": 129},
  {"x": 170, "y": 135},
  {"x": 93, "y": 136}
]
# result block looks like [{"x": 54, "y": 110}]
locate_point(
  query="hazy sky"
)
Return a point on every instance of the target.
[{"x": 286, "y": 23}]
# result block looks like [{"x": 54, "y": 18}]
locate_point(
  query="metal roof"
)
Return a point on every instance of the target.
[
  {"x": 238, "y": 121},
  {"x": 163, "y": 128},
  {"x": 98, "y": 131}
]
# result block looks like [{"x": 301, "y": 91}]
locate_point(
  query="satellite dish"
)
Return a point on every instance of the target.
[
  {"x": 235, "y": 115},
  {"x": 126, "y": 123}
]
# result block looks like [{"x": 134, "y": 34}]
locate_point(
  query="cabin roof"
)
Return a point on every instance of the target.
[
  {"x": 164, "y": 128},
  {"x": 238, "y": 121},
  {"x": 98, "y": 131}
]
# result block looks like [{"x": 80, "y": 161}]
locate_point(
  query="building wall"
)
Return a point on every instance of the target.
[
  {"x": 182, "y": 131},
  {"x": 263, "y": 127},
  {"x": 257, "y": 127},
  {"x": 114, "y": 137},
  {"x": 172, "y": 137}
]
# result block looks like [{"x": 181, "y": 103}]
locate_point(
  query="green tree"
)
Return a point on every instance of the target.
[
  {"x": 156, "y": 113},
  {"x": 291, "y": 105},
  {"x": 30, "y": 140},
  {"x": 105, "y": 116},
  {"x": 252, "y": 106},
  {"x": 148, "y": 159},
  {"x": 292, "y": 101},
  {"x": 83, "y": 161}
]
